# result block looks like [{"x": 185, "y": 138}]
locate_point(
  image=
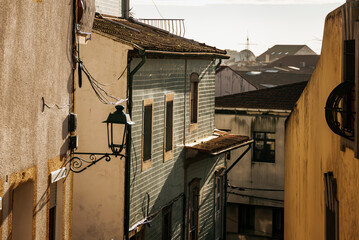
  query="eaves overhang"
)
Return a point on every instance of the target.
[{"x": 216, "y": 145}]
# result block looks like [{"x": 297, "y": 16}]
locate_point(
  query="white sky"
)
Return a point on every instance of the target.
[{"x": 226, "y": 23}]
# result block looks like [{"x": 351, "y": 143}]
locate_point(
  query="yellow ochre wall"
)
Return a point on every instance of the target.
[{"x": 312, "y": 149}]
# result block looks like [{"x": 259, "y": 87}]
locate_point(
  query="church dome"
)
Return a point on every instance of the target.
[{"x": 245, "y": 56}]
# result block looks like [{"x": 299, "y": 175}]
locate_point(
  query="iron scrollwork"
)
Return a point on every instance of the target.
[
  {"x": 78, "y": 164},
  {"x": 336, "y": 111}
]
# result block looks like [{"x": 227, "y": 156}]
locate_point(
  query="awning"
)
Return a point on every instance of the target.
[{"x": 219, "y": 143}]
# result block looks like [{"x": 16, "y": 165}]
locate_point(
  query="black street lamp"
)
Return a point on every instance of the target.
[{"x": 114, "y": 122}]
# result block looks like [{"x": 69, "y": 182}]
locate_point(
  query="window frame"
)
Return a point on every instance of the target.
[
  {"x": 167, "y": 211},
  {"x": 266, "y": 151},
  {"x": 146, "y": 164},
  {"x": 219, "y": 202},
  {"x": 168, "y": 155},
  {"x": 194, "y": 83},
  {"x": 193, "y": 185},
  {"x": 344, "y": 142}
]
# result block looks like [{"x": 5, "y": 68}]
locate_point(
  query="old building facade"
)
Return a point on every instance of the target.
[
  {"x": 321, "y": 200},
  {"x": 256, "y": 182},
  {"x": 35, "y": 74}
]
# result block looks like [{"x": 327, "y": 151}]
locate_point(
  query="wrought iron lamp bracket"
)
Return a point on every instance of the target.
[{"x": 78, "y": 164}]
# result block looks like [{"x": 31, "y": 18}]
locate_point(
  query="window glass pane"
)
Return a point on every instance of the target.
[
  {"x": 147, "y": 131},
  {"x": 270, "y": 135},
  {"x": 259, "y": 145},
  {"x": 169, "y": 125},
  {"x": 271, "y": 146},
  {"x": 259, "y": 135},
  {"x": 194, "y": 101}
]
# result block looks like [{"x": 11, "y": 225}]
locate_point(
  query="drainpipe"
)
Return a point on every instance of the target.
[
  {"x": 184, "y": 205},
  {"x": 128, "y": 144},
  {"x": 125, "y": 9},
  {"x": 219, "y": 64},
  {"x": 225, "y": 190}
]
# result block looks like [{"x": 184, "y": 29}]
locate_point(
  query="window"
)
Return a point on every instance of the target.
[
  {"x": 194, "y": 92},
  {"x": 147, "y": 134},
  {"x": 168, "y": 136},
  {"x": 219, "y": 205},
  {"x": 278, "y": 222},
  {"x": 349, "y": 76},
  {"x": 22, "y": 211},
  {"x": 55, "y": 210},
  {"x": 264, "y": 147},
  {"x": 331, "y": 207},
  {"x": 167, "y": 223},
  {"x": 194, "y": 188},
  {"x": 246, "y": 215}
]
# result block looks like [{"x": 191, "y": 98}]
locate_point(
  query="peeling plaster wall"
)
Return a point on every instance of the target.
[
  {"x": 98, "y": 208},
  {"x": 312, "y": 149},
  {"x": 247, "y": 173},
  {"x": 35, "y": 62}
]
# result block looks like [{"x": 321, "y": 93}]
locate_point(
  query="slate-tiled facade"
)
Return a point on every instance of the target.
[{"x": 164, "y": 181}]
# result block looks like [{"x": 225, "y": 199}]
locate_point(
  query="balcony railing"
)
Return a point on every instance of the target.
[{"x": 174, "y": 26}]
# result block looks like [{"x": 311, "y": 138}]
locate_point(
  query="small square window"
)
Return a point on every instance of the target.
[{"x": 264, "y": 147}]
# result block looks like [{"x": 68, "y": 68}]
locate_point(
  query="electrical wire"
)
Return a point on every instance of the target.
[
  {"x": 255, "y": 189},
  {"x": 264, "y": 198},
  {"x": 97, "y": 86},
  {"x": 157, "y": 9}
]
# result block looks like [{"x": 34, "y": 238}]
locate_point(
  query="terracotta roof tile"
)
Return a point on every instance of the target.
[{"x": 140, "y": 35}]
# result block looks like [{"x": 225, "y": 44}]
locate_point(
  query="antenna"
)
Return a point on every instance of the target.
[{"x": 247, "y": 43}]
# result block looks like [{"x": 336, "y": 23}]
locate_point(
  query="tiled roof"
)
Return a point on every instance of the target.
[
  {"x": 261, "y": 80},
  {"x": 146, "y": 37},
  {"x": 220, "y": 144},
  {"x": 281, "y": 98},
  {"x": 279, "y": 51},
  {"x": 305, "y": 63}
]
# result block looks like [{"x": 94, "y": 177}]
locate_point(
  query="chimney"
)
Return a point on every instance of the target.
[
  {"x": 125, "y": 9},
  {"x": 267, "y": 58}
]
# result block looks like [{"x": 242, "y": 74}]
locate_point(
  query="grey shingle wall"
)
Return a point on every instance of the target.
[
  {"x": 206, "y": 73},
  {"x": 205, "y": 170},
  {"x": 165, "y": 180}
]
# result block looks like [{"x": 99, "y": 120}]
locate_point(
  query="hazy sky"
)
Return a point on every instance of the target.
[{"x": 225, "y": 24}]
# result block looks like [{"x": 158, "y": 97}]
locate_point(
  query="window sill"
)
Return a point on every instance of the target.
[
  {"x": 146, "y": 164},
  {"x": 193, "y": 126},
  {"x": 346, "y": 143},
  {"x": 167, "y": 156}
]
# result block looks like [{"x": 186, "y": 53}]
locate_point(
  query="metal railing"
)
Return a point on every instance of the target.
[{"x": 174, "y": 26}]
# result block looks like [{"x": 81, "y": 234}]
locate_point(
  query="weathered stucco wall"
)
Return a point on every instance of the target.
[
  {"x": 247, "y": 173},
  {"x": 98, "y": 207},
  {"x": 35, "y": 62},
  {"x": 312, "y": 149}
]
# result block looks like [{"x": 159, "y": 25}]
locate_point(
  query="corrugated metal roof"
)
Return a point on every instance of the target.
[
  {"x": 260, "y": 79},
  {"x": 220, "y": 144},
  {"x": 280, "y": 98}
]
